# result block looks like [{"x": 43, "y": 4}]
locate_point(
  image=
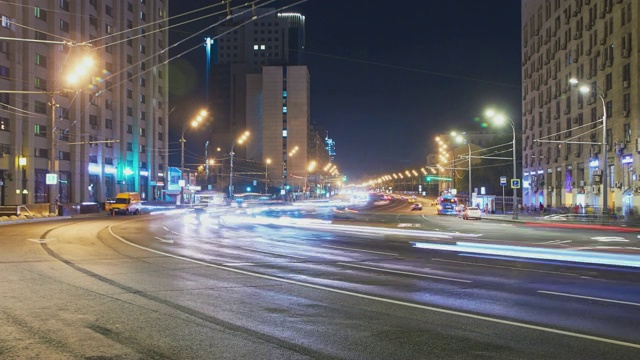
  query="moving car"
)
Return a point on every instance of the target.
[
  {"x": 416, "y": 206},
  {"x": 472, "y": 213},
  {"x": 126, "y": 203}
]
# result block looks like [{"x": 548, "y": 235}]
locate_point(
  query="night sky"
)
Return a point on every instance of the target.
[{"x": 386, "y": 76}]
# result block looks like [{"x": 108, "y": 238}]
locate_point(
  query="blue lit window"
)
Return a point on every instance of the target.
[
  {"x": 284, "y": 133},
  {"x": 284, "y": 109},
  {"x": 284, "y": 94}
]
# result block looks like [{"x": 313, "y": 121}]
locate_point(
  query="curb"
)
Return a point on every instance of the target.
[{"x": 27, "y": 221}]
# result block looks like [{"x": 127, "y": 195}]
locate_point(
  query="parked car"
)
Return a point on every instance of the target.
[
  {"x": 126, "y": 203},
  {"x": 416, "y": 206},
  {"x": 472, "y": 213}
]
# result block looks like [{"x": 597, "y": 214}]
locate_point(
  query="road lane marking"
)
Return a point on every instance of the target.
[
  {"x": 609, "y": 239},
  {"x": 505, "y": 267},
  {"x": 164, "y": 240},
  {"x": 404, "y": 272},
  {"x": 239, "y": 264},
  {"x": 589, "y": 298},
  {"x": 273, "y": 253},
  {"x": 553, "y": 242},
  {"x": 367, "y": 251},
  {"x": 376, "y": 298},
  {"x": 42, "y": 241}
]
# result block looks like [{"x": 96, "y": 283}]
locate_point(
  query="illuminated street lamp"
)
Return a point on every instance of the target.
[
  {"x": 460, "y": 139},
  {"x": 605, "y": 181},
  {"x": 500, "y": 119},
  {"x": 240, "y": 141},
  {"x": 267, "y": 162},
  {"x": 194, "y": 123}
]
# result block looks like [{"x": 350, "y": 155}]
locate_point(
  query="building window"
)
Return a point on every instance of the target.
[
  {"x": 5, "y": 22},
  {"x": 64, "y": 5},
  {"x": 108, "y": 104},
  {"x": 143, "y": 82},
  {"x": 40, "y": 14},
  {"x": 143, "y": 99},
  {"x": 129, "y": 146},
  {"x": 93, "y": 159},
  {"x": 42, "y": 153},
  {"x": 129, "y": 7},
  {"x": 143, "y": 132},
  {"x": 108, "y": 123},
  {"x": 40, "y": 130},
  {"x": 143, "y": 16},
  {"x": 108, "y": 161},
  {"x": 64, "y": 26},
  {"x": 64, "y": 155},
  {"x": 108, "y": 29},
  {"x": 40, "y": 83},
  {"x": 160, "y": 136},
  {"x": 93, "y": 121},
  {"x": 143, "y": 115},
  {"x": 41, "y": 60},
  {"x": 5, "y": 72},
  {"x": 627, "y": 133},
  {"x": 4, "y": 124},
  {"x": 129, "y": 94},
  {"x": 129, "y": 111},
  {"x": 108, "y": 10},
  {"x": 129, "y": 129},
  {"x": 609, "y": 108},
  {"x": 63, "y": 136},
  {"x": 143, "y": 149},
  {"x": 93, "y": 21},
  {"x": 143, "y": 49},
  {"x": 129, "y": 59},
  {"x": 160, "y": 120},
  {"x": 40, "y": 107}
]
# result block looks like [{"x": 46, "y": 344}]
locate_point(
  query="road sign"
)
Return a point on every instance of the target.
[
  {"x": 51, "y": 179},
  {"x": 515, "y": 183},
  {"x": 503, "y": 181}
]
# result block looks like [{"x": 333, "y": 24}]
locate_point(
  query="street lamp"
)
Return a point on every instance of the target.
[
  {"x": 605, "y": 181},
  {"x": 266, "y": 175},
  {"x": 194, "y": 123},
  {"x": 500, "y": 119},
  {"x": 461, "y": 139},
  {"x": 240, "y": 140}
]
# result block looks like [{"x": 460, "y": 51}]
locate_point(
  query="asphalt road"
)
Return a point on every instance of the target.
[{"x": 181, "y": 286}]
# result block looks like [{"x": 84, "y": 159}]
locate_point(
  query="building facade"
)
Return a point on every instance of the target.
[
  {"x": 595, "y": 43},
  {"x": 102, "y": 135}
]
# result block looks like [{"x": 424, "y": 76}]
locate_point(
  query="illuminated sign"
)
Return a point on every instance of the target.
[
  {"x": 94, "y": 169},
  {"x": 627, "y": 159},
  {"x": 51, "y": 179},
  {"x": 144, "y": 173},
  {"x": 594, "y": 163},
  {"x": 540, "y": 171},
  {"x": 108, "y": 169}
]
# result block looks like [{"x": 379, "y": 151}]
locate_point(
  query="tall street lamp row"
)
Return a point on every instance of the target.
[
  {"x": 500, "y": 119},
  {"x": 460, "y": 139},
  {"x": 194, "y": 123}
]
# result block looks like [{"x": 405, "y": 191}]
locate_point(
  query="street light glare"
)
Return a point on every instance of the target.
[
  {"x": 499, "y": 119},
  {"x": 203, "y": 112},
  {"x": 585, "y": 89},
  {"x": 72, "y": 78},
  {"x": 490, "y": 113},
  {"x": 454, "y": 134},
  {"x": 194, "y": 123},
  {"x": 573, "y": 81},
  {"x": 268, "y": 161},
  {"x": 87, "y": 62}
]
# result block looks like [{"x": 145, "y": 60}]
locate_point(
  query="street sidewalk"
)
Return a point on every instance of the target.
[{"x": 571, "y": 221}]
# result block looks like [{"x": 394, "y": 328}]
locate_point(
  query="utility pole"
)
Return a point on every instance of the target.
[
  {"x": 206, "y": 164},
  {"x": 53, "y": 164}
]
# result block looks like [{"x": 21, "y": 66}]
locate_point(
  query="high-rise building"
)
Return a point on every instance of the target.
[
  {"x": 278, "y": 113},
  {"x": 595, "y": 43},
  {"x": 330, "y": 145},
  {"x": 107, "y": 132},
  {"x": 273, "y": 39}
]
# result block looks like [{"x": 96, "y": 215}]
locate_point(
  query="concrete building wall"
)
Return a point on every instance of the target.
[
  {"x": 124, "y": 99},
  {"x": 594, "y": 42}
]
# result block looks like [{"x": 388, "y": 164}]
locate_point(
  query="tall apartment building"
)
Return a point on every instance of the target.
[
  {"x": 595, "y": 42},
  {"x": 278, "y": 112},
  {"x": 273, "y": 39},
  {"x": 109, "y": 130}
]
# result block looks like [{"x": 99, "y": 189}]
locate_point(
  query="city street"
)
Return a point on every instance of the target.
[{"x": 232, "y": 285}]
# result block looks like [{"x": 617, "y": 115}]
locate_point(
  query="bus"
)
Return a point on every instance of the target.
[{"x": 447, "y": 205}]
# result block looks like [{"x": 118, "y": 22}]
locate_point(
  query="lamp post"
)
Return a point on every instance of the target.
[
  {"x": 605, "y": 180},
  {"x": 461, "y": 139},
  {"x": 193, "y": 123},
  {"x": 266, "y": 175},
  {"x": 240, "y": 140},
  {"x": 285, "y": 173},
  {"x": 500, "y": 119}
]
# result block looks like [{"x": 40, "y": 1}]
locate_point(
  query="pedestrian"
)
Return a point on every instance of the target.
[{"x": 541, "y": 207}]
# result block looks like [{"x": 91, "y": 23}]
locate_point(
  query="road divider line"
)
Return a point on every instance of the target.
[
  {"x": 367, "y": 251},
  {"x": 273, "y": 253},
  {"x": 376, "y": 298},
  {"x": 404, "y": 272},
  {"x": 164, "y": 240},
  {"x": 589, "y": 298},
  {"x": 239, "y": 264},
  {"x": 505, "y": 267}
]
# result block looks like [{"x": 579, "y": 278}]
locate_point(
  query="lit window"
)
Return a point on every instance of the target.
[
  {"x": 262, "y": 47},
  {"x": 255, "y": 47},
  {"x": 284, "y": 133},
  {"x": 284, "y": 109}
]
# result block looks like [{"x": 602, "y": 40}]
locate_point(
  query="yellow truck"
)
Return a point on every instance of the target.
[{"x": 126, "y": 203}]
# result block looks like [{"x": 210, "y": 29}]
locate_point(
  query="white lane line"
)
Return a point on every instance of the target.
[
  {"x": 164, "y": 240},
  {"x": 589, "y": 297},
  {"x": 367, "y": 251},
  {"x": 405, "y": 272},
  {"x": 506, "y": 267},
  {"x": 273, "y": 253},
  {"x": 376, "y": 298},
  {"x": 554, "y": 242},
  {"x": 239, "y": 264},
  {"x": 42, "y": 241}
]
